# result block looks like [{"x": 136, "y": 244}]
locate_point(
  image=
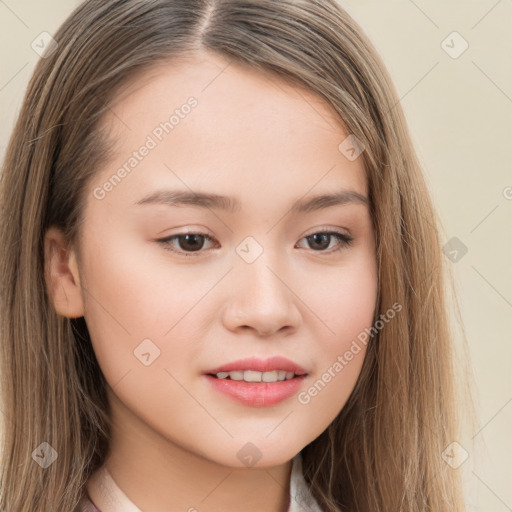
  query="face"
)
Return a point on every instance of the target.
[{"x": 175, "y": 285}]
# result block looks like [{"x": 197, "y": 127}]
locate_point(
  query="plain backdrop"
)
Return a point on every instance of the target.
[{"x": 451, "y": 62}]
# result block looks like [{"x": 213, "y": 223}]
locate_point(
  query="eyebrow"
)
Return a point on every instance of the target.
[{"x": 231, "y": 204}]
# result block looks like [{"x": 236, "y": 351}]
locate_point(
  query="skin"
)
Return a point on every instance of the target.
[{"x": 254, "y": 137}]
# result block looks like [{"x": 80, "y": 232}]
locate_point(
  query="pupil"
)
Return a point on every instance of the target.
[
  {"x": 319, "y": 237},
  {"x": 192, "y": 241}
]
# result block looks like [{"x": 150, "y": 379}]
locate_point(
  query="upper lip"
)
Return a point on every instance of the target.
[{"x": 260, "y": 365}]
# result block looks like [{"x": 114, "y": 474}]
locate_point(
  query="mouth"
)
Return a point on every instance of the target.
[
  {"x": 253, "y": 369},
  {"x": 256, "y": 376},
  {"x": 258, "y": 382}
]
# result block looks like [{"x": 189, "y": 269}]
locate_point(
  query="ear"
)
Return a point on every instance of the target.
[{"x": 61, "y": 275}]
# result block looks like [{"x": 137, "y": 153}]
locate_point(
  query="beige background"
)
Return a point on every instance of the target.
[{"x": 460, "y": 115}]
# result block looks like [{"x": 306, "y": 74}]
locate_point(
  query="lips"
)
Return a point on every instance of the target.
[
  {"x": 260, "y": 365},
  {"x": 257, "y": 393}
]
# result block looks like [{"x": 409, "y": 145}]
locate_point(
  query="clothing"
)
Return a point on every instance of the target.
[{"x": 300, "y": 499}]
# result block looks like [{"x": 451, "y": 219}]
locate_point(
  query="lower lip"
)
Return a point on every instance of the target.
[{"x": 257, "y": 394}]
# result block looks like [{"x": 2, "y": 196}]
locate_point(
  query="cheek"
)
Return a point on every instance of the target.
[
  {"x": 349, "y": 305},
  {"x": 135, "y": 293},
  {"x": 342, "y": 297},
  {"x": 345, "y": 304}
]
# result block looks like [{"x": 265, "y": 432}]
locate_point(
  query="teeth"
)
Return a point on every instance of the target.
[
  {"x": 269, "y": 376},
  {"x": 254, "y": 376}
]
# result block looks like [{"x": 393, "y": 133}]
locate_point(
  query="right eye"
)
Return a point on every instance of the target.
[{"x": 187, "y": 243}]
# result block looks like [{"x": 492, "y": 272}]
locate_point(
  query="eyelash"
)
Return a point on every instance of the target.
[{"x": 345, "y": 241}]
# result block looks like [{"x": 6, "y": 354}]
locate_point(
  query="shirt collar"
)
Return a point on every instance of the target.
[{"x": 301, "y": 499}]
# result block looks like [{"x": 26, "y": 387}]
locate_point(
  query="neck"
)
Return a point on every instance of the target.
[{"x": 158, "y": 475}]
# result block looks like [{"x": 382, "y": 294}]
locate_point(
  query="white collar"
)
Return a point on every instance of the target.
[{"x": 301, "y": 499}]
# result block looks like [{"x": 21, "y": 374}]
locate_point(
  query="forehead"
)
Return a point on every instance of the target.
[
  {"x": 218, "y": 82},
  {"x": 247, "y": 128}
]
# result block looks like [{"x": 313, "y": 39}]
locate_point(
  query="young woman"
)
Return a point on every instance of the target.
[{"x": 222, "y": 283}]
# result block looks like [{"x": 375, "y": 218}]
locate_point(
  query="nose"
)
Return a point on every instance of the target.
[{"x": 261, "y": 299}]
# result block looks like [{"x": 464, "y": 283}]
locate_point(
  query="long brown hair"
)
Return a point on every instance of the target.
[{"x": 383, "y": 451}]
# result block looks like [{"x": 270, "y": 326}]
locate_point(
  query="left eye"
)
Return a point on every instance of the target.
[
  {"x": 323, "y": 240},
  {"x": 190, "y": 243}
]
